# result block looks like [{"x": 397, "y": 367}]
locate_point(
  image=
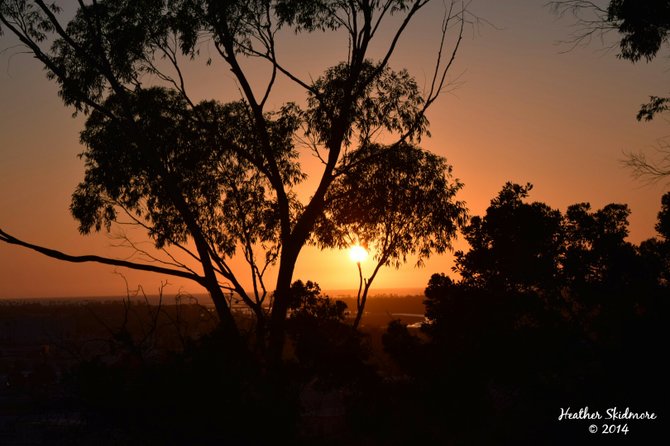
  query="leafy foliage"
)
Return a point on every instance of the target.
[
  {"x": 396, "y": 200},
  {"x": 307, "y": 302},
  {"x": 516, "y": 245},
  {"x": 549, "y": 307},
  {"x": 663, "y": 225},
  {"x": 204, "y": 150},
  {"x": 377, "y": 99},
  {"x": 644, "y": 26},
  {"x": 326, "y": 349}
]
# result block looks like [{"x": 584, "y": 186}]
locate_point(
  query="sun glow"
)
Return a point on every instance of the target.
[{"x": 357, "y": 253}]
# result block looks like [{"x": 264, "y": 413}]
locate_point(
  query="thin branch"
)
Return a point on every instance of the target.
[
  {"x": 126, "y": 242},
  {"x": 49, "y": 63},
  {"x": 271, "y": 57},
  {"x": 149, "y": 229},
  {"x": 170, "y": 53},
  {"x": 586, "y": 28},
  {"x": 6, "y": 238},
  {"x": 439, "y": 75},
  {"x": 227, "y": 273},
  {"x": 394, "y": 42},
  {"x": 649, "y": 171},
  {"x": 261, "y": 128},
  {"x": 435, "y": 85}
]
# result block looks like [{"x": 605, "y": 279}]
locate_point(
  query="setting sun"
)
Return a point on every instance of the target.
[
  {"x": 395, "y": 209},
  {"x": 357, "y": 253}
]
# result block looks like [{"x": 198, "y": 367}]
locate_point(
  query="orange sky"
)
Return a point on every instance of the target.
[{"x": 520, "y": 111}]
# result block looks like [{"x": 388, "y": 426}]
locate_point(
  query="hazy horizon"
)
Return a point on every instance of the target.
[{"x": 168, "y": 297}]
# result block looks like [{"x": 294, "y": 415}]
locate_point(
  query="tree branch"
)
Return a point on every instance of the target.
[{"x": 4, "y": 237}]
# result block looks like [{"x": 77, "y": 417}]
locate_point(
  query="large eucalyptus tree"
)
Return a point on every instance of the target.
[{"x": 214, "y": 180}]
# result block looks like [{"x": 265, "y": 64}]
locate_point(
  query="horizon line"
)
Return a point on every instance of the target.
[{"x": 332, "y": 292}]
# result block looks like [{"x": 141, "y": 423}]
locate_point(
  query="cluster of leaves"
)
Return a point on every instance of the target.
[
  {"x": 383, "y": 100},
  {"x": 327, "y": 349},
  {"x": 307, "y": 302},
  {"x": 231, "y": 201},
  {"x": 534, "y": 247},
  {"x": 577, "y": 265},
  {"x": 397, "y": 201},
  {"x": 643, "y": 28}
]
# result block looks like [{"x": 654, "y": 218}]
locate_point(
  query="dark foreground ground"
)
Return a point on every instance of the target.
[
  {"x": 117, "y": 374},
  {"x": 62, "y": 361}
]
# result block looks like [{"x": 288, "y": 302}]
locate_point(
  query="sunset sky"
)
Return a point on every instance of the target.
[{"x": 519, "y": 109}]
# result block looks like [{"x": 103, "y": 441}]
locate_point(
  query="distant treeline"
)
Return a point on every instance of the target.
[{"x": 551, "y": 310}]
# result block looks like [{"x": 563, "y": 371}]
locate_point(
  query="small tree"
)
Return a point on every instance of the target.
[
  {"x": 400, "y": 203},
  {"x": 212, "y": 179},
  {"x": 516, "y": 246}
]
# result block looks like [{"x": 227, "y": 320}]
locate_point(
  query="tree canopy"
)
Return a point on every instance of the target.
[
  {"x": 548, "y": 306},
  {"x": 396, "y": 201},
  {"x": 643, "y": 28},
  {"x": 211, "y": 180}
]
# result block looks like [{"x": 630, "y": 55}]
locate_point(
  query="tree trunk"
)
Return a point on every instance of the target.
[
  {"x": 223, "y": 310},
  {"x": 361, "y": 305},
  {"x": 280, "y": 304}
]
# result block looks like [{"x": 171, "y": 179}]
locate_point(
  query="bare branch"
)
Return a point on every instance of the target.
[
  {"x": 6, "y": 238},
  {"x": 138, "y": 222},
  {"x": 439, "y": 75},
  {"x": 272, "y": 57},
  {"x": 418, "y": 4},
  {"x": 650, "y": 171},
  {"x": 126, "y": 242},
  {"x": 592, "y": 21},
  {"x": 170, "y": 53}
]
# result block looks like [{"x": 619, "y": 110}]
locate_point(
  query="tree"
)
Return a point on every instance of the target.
[
  {"x": 515, "y": 246},
  {"x": 399, "y": 203},
  {"x": 643, "y": 28},
  {"x": 529, "y": 265},
  {"x": 211, "y": 179},
  {"x": 549, "y": 306},
  {"x": 663, "y": 224},
  {"x": 326, "y": 348},
  {"x": 596, "y": 250}
]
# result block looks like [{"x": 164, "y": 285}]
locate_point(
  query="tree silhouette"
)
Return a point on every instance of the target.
[
  {"x": 396, "y": 201},
  {"x": 515, "y": 246},
  {"x": 643, "y": 28},
  {"x": 548, "y": 308},
  {"x": 211, "y": 179},
  {"x": 655, "y": 252},
  {"x": 663, "y": 224},
  {"x": 327, "y": 350}
]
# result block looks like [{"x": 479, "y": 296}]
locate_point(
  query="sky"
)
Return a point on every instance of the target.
[{"x": 520, "y": 107}]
